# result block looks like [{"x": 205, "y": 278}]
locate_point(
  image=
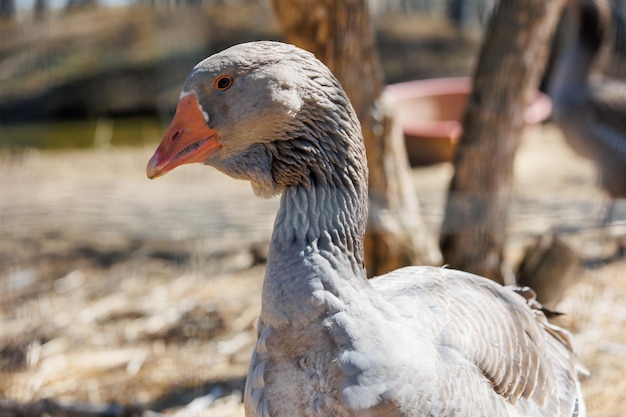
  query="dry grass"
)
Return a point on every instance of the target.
[{"x": 114, "y": 288}]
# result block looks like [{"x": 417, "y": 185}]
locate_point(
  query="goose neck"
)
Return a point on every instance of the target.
[
  {"x": 325, "y": 216},
  {"x": 316, "y": 254},
  {"x": 592, "y": 24}
]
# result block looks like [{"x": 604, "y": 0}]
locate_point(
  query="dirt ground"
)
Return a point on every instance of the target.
[{"x": 119, "y": 290}]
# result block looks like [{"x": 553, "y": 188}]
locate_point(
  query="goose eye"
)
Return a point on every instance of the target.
[{"x": 223, "y": 82}]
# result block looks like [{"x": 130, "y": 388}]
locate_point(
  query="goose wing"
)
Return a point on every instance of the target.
[{"x": 495, "y": 353}]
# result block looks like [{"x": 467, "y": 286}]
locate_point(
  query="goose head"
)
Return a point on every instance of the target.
[{"x": 258, "y": 111}]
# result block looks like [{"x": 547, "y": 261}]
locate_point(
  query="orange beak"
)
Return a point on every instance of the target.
[{"x": 188, "y": 139}]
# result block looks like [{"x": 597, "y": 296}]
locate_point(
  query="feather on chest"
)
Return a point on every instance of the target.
[{"x": 294, "y": 372}]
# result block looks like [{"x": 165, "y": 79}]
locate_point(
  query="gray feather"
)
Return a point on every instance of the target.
[{"x": 419, "y": 341}]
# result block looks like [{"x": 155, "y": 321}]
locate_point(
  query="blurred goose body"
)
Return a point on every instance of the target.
[{"x": 590, "y": 109}]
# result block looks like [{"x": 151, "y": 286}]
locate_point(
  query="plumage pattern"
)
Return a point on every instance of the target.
[
  {"x": 590, "y": 109},
  {"x": 420, "y": 341}
]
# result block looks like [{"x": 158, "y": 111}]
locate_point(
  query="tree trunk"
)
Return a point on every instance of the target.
[
  {"x": 512, "y": 58},
  {"x": 340, "y": 34}
]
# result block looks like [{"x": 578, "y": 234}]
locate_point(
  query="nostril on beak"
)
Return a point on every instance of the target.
[{"x": 176, "y": 135}]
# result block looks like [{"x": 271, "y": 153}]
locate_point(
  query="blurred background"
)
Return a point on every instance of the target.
[{"x": 124, "y": 296}]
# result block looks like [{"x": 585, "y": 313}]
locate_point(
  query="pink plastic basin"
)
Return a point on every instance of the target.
[{"x": 430, "y": 113}]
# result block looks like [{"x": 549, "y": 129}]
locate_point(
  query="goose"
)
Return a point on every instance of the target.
[
  {"x": 591, "y": 110},
  {"x": 419, "y": 341}
]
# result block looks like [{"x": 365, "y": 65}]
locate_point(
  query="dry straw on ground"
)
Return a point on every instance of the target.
[{"x": 116, "y": 289}]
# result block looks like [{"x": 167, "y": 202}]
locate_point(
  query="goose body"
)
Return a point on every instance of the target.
[
  {"x": 591, "y": 109},
  {"x": 420, "y": 341}
]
